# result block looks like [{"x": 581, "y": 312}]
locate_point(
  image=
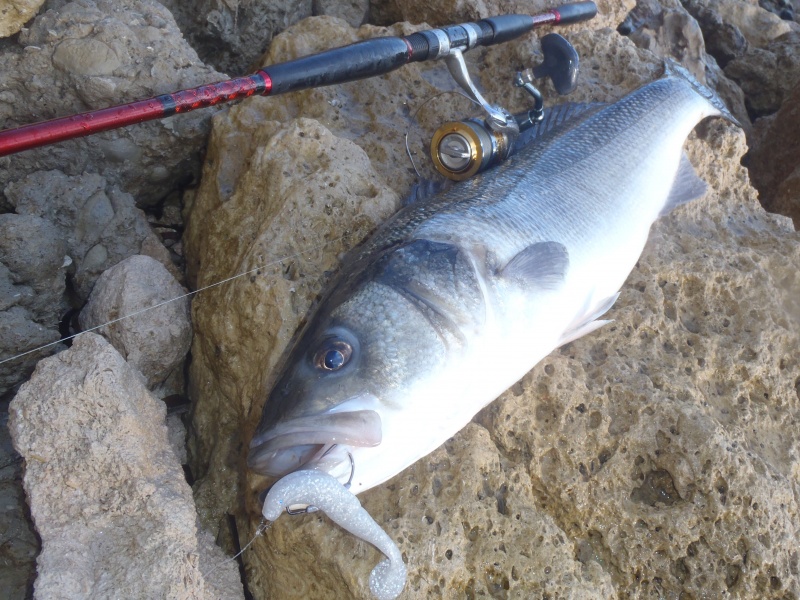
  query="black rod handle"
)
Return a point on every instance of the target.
[{"x": 576, "y": 12}]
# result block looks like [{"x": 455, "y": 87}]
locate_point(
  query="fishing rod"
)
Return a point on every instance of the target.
[{"x": 360, "y": 60}]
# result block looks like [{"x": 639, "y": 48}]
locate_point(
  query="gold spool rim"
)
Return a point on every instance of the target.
[{"x": 475, "y": 147}]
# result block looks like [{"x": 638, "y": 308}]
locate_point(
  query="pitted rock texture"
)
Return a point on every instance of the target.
[
  {"x": 657, "y": 456},
  {"x": 15, "y": 13},
  {"x": 33, "y": 270},
  {"x": 774, "y": 158},
  {"x": 767, "y": 75},
  {"x": 106, "y": 492},
  {"x": 99, "y": 222},
  {"x": 88, "y": 55},
  {"x": 154, "y": 341},
  {"x": 230, "y": 35},
  {"x": 448, "y": 12}
]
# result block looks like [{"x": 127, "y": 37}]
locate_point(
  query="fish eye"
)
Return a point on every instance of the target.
[{"x": 333, "y": 355}]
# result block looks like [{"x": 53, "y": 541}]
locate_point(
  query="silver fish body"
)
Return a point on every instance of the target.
[{"x": 457, "y": 297}]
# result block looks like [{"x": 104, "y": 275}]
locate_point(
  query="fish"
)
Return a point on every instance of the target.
[{"x": 457, "y": 296}]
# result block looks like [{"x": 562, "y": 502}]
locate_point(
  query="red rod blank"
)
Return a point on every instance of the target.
[{"x": 65, "y": 128}]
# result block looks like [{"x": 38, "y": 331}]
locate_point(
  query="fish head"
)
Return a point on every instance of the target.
[
  {"x": 340, "y": 383},
  {"x": 320, "y": 400}
]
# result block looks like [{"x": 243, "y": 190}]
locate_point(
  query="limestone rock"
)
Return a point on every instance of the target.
[
  {"x": 230, "y": 35},
  {"x": 355, "y": 12},
  {"x": 767, "y": 75},
  {"x": 671, "y": 32},
  {"x": 724, "y": 41},
  {"x": 449, "y": 12},
  {"x": 774, "y": 159},
  {"x": 759, "y": 26},
  {"x": 15, "y": 13},
  {"x": 100, "y": 223},
  {"x": 17, "y": 536},
  {"x": 107, "y": 495},
  {"x": 33, "y": 261},
  {"x": 783, "y": 8},
  {"x": 90, "y": 54},
  {"x": 648, "y": 458},
  {"x": 155, "y": 341}
]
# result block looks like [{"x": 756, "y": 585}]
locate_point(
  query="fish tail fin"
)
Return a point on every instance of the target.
[{"x": 674, "y": 69}]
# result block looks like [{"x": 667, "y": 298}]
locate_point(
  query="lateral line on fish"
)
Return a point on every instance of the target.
[{"x": 164, "y": 302}]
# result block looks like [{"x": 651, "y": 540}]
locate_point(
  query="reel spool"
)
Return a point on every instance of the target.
[{"x": 461, "y": 149}]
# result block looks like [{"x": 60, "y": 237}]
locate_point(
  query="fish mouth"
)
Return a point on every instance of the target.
[{"x": 292, "y": 444}]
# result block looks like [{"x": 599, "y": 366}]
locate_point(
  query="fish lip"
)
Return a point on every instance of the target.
[{"x": 292, "y": 444}]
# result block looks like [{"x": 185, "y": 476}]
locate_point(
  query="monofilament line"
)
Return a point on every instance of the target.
[
  {"x": 262, "y": 527},
  {"x": 160, "y": 304}
]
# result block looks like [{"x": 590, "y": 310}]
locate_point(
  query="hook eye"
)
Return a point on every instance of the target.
[{"x": 301, "y": 511}]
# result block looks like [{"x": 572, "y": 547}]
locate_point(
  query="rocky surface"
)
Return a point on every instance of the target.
[
  {"x": 106, "y": 492},
  {"x": 87, "y": 55},
  {"x": 14, "y": 14},
  {"x": 231, "y": 35},
  {"x": 768, "y": 74},
  {"x": 99, "y": 222},
  {"x": 33, "y": 265},
  {"x": 155, "y": 342},
  {"x": 774, "y": 159},
  {"x": 656, "y": 456},
  {"x": 447, "y": 12},
  {"x": 18, "y": 539}
]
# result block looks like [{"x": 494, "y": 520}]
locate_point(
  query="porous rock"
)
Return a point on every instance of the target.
[
  {"x": 774, "y": 159},
  {"x": 759, "y": 26},
  {"x": 655, "y": 456},
  {"x": 99, "y": 222},
  {"x": 86, "y": 55},
  {"x": 107, "y": 495},
  {"x": 230, "y": 35},
  {"x": 154, "y": 341},
  {"x": 673, "y": 33},
  {"x": 724, "y": 40},
  {"x": 17, "y": 536},
  {"x": 449, "y": 12},
  {"x": 768, "y": 74},
  {"x": 15, "y": 13},
  {"x": 33, "y": 265},
  {"x": 355, "y": 12}
]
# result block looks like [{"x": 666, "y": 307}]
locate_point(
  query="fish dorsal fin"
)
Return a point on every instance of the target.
[
  {"x": 555, "y": 117},
  {"x": 543, "y": 265},
  {"x": 686, "y": 187}
]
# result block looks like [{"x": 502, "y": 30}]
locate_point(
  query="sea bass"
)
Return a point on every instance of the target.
[{"x": 458, "y": 296}]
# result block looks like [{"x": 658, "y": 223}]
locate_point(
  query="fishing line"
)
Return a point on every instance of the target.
[
  {"x": 165, "y": 302},
  {"x": 262, "y": 527}
]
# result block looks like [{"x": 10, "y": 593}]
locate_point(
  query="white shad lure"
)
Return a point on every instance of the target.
[
  {"x": 456, "y": 297},
  {"x": 325, "y": 493}
]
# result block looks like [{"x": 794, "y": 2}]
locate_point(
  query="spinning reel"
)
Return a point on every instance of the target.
[{"x": 460, "y": 149}]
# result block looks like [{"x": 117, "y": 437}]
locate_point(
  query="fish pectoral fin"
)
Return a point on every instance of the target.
[
  {"x": 543, "y": 265},
  {"x": 686, "y": 187},
  {"x": 588, "y": 322},
  {"x": 580, "y": 331}
]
